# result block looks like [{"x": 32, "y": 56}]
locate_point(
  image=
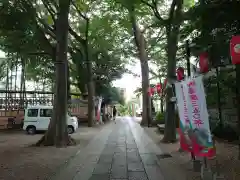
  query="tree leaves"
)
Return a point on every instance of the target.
[{"x": 188, "y": 3}]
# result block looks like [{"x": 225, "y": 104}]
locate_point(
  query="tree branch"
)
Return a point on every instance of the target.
[
  {"x": 28, "y": 7},
  {"x": 79, "y": 12},
  {"x": 76, "y": 36},
  {"x": 47, "y": 28},
  {"x": 51, "y": 11},
  {"x": 136, "y": 30},
  {"x": 171, "y": 12},
  {"x": 147, "y": 27},
  {"x": 153, "y": 7}
]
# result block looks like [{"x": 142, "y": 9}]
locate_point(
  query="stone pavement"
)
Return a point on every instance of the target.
[{"x": 120, "y": 151}]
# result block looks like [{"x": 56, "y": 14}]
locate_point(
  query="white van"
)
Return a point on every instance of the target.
[{"x": 37, "y": 118}]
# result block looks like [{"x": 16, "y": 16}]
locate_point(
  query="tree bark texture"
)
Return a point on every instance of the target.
[
  {"x": 238, "y": 103},
  {"x": 60, "y": 111},
  {"x": 141, "y": 47},
  {"x": 57, "y": 130},
  {"x": 91, "y": 105},
  {"x": 172, "y": 28},
  {"x": 22, "y": 85},
  {"x": 90, "y": 85}
]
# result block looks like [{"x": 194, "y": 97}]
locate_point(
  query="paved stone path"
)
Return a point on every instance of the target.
[{"x": 122, "y": 151}]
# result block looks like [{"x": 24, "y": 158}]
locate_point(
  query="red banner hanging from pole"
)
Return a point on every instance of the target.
[
  {"x": 235, "y": 49},
  {"x": 203, "y": 62},
  {"x": 159, "y": 88},
  {"x": 180, "y": 73},
  {"x": 151, "y": 91}
]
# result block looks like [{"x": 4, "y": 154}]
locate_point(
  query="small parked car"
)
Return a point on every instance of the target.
[{"x": 37, "y": 118}]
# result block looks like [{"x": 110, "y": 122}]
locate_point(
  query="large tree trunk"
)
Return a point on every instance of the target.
[
  {"x": 238, "y": 102},
  {"x": 57, "y": 132},
  {"x": 161, "y": 102},
  {"x": 141, "y": 47},
  {"x": 90, "y": 86},
  {"x": 91, "y": 105},
  {"x": 146, "y": 113},
  {"x": 170, "y": 127},
  {"x": 172, "y": 41},
  {"x": 22, "y": 84},
  {"x": 104, "y": 117},
  {"x": 60, "y": 112},
  {"x": 68, "y": 87}
]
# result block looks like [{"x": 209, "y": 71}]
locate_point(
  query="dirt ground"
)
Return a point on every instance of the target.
[
  {"x": 19, "y": 160},
  {"x": 180, "y": 163}
]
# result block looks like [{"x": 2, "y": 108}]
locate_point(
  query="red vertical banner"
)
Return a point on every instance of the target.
[
  {"x": 99, "y": 109},
  {"x": 180, "y": 73},
  {"x": 159, "y": 88},
  {"x": 151, "y": 91},
  {"x": 203, "y": 62},
  {"x": 235, "y": 49}
]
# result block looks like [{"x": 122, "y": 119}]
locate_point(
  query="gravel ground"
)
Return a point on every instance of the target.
[
  {"x": 179, "y": 166},
  {"x": 19, "y": 160}
]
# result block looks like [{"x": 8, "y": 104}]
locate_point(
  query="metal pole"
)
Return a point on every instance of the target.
[
  {"x": 148, "y": 111},
  {"x": 238, "y": 102},
  {"x": 188, "y": 53},
  {"x": 219, "y": 100},
  {"x": 188, "y": 58},
  {"x": 161, "y": 98}
]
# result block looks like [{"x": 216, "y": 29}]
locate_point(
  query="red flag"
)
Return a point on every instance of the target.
[
  {"x": 203, "y": 62},
  {"x": 150, "y": 91},
  {"x": 159, "y": 88},
  {"x": 235, "y": 49},
  {"x": 180, "y": 73}
]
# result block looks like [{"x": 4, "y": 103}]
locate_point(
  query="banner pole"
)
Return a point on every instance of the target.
[{"x": 188, "y": 53}]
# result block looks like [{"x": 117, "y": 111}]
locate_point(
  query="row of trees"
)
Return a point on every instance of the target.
[
  {"x": 66, "y": 38},
  {"x": 101, "y": 36},
  {"x": 208, "y": 25}
]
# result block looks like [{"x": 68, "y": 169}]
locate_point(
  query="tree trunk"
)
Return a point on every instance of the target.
[
  {"x": 90, "y": 86},
  {"x": 238, "y": 103},
  {"x": 170, "y": 130},
  {"x": 146, "y": 113},
  {"x": 141, "y": 47},
  {"x": 161, "y": 102},
  {"x": 152, "y": 106},
  {"x": 57, "y": 132},
  {"x": 49, "y": 138},
  {"x": 104, "y": 114},
  {"x": 68, "y": 87},
  {"x": 91, "y": 105},
  {"x": 22, "y": 84},
  {"x": 16, "y": 75},
  {"x": 60, "y": 112},
  {"x": 172, "y": 41},
  {"x": 68, "y": 83}
]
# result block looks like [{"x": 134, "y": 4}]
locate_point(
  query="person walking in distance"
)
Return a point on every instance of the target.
[{"x": 114, "y": 113}]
